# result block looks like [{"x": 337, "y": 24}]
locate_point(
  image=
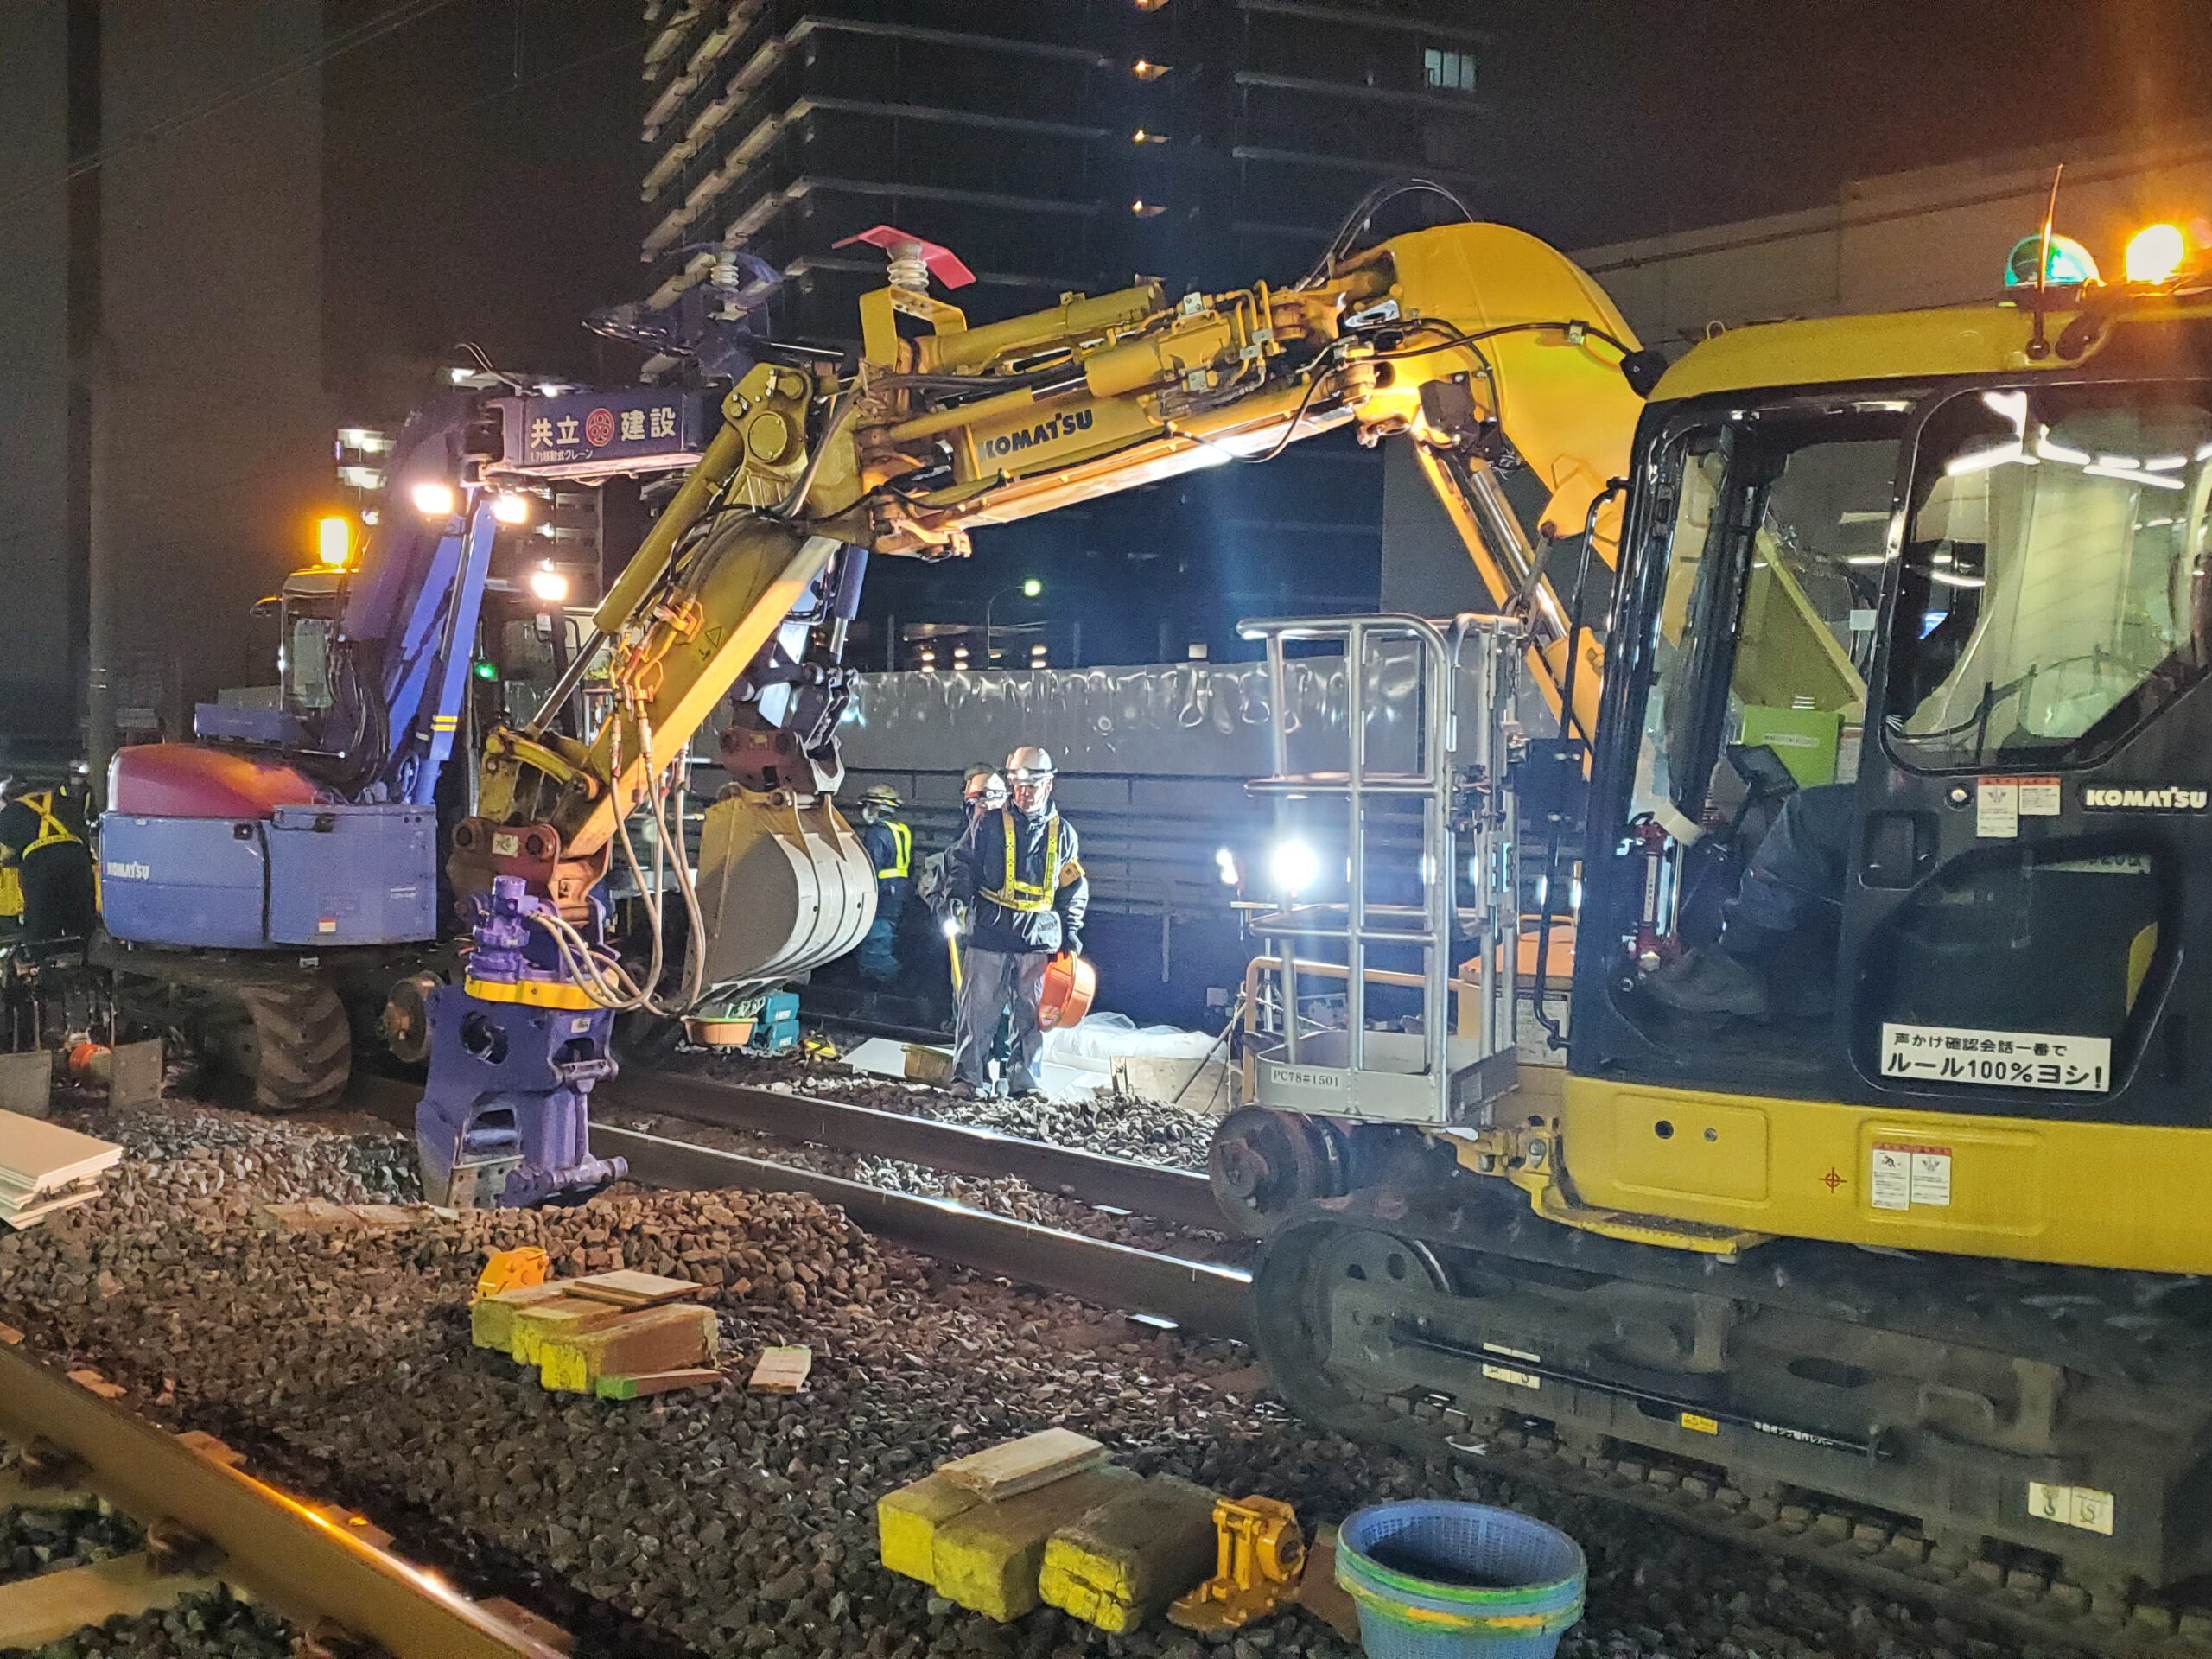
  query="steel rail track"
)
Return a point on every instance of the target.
[
  {"x": 1196, "y": 1295},
  {"x": 1199, "y": 1296},
  {"x": 1178, "y": 1197},
  {"x": 207, "y": 1521}
]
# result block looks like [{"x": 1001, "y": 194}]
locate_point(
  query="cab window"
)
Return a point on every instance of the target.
[
  {"x": 1741, "y": 811},
  {"x": 1765, "y": 632},
  {"x": 307, "y": 664},
  {"x": 2054, "y": 587}
]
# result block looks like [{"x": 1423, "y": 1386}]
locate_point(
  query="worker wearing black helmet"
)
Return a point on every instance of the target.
[
  {"x": 1016, "y": 883},
  {"x": 890, "y": 846}
]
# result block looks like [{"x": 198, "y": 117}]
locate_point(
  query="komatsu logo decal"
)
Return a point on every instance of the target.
[
  {"x": 1060, "y": 426},
  {"x": 118, "y": 871},
  {"x": 2171, "y": 798}
]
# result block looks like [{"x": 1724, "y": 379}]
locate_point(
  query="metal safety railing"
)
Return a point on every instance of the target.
[{"x": 1432, "y": 746}]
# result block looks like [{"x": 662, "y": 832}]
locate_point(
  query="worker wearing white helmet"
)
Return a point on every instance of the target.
[{"x": 1016, "y": 880}]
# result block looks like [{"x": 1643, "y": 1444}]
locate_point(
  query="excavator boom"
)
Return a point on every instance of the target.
[{"x": 1487, "y": 349}]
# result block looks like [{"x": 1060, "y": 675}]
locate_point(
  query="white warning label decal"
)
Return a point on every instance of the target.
[
  {"x": 1507, "y": 1374},
  {"x": 2071, "y": 1506},
  {"x": 1996, "y": 809},
  {"x": 1901, "y": 1175},
  {"x": 2020, "y": 1060}
]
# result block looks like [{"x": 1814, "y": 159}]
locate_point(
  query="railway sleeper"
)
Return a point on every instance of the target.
[{"x": 2000, "y": 1480}]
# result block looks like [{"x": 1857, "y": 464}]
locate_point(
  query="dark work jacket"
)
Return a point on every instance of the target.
[
  {"x": 978, "y": 864},
  {"x": 891, "y": 891}
]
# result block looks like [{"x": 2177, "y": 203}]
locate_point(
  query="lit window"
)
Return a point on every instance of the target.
[{"x": 1449, "y": 71}]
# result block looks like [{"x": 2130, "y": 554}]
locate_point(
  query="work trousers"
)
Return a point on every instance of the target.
[
  {"x": 879, "y": 952},
  {"x": 1797, "y": 870},
  {"x": 58, "y": 901},
  {"x": 994, "y": 983}
]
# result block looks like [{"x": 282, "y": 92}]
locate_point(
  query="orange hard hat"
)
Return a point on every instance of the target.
[{"x": 1070, "y": 983}]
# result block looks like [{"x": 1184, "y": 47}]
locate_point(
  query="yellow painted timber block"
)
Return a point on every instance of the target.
[
  {"x": 988, "y": 1557},
  {"x": 906, "y": 1523},
  {"x": 491, "y": 1318},
  {"x": 643, "y": 1341},
  {"x": 1121, "y": 1564},
  {"x": 555, "y": 1319}
]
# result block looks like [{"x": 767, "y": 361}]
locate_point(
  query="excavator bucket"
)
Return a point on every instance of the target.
[{"x": 783, "y": 888}]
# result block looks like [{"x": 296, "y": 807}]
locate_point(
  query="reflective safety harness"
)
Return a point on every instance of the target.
[
  {"x": 902, "y": 857},
  {"x": 51, "y": 831},
  {"x": 1016, "y": 894}
]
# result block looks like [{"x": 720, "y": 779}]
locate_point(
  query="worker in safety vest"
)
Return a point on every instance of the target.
[
  {"x": 11, "y": 884},
  {"x": 42, "y": 834},
  {"x": 891, "y": 849},
  {"x": 981, "y": 791},
  {"x": 1017, "y": 887}
]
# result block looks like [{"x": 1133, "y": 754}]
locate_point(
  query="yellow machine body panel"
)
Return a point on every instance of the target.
[
  {"x": 1572, "y": 413},
  {"x": 1830, "y": 351},
  {"x": 2101, "y": 1195}
]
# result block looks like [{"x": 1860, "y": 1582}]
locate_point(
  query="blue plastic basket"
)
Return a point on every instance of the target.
[{"x": 1435, "y": 1579}]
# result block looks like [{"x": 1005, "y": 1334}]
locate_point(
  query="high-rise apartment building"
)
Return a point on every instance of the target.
[{"x": 1068, "y": 144}]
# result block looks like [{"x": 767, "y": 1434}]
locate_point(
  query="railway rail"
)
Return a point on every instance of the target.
[
  {"x": 1199, "y": 1296},
  {"x": 2014, "y": 1596},
  {"x": 1178, "y": 1197},
  {"x": 208, "y": 1523}
]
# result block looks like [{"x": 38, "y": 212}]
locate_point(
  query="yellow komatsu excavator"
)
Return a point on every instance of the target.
[{"x": 1874, "y": 1174}]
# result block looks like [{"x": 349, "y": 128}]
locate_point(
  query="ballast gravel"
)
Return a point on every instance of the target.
[
  {"x": 1117, "y": 1126},
  {"x": 732, "y": 1524}
]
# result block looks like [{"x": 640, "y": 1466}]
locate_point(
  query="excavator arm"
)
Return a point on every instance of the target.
[
  {"x": 1485, "y": 348},
  {"x": 1489, "y": 350}
]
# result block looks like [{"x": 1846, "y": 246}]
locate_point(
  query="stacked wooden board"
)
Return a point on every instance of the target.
[
  {"x": 45, "y": 1167},
  {"x": 618, "y": 1335}
]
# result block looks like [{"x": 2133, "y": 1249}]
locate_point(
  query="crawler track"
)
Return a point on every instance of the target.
[{"x": 207, "y": 1522}]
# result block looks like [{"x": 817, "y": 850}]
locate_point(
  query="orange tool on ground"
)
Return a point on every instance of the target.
[{"x": 515, "y": 1269}]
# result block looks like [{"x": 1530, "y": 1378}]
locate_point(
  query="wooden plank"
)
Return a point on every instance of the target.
[
  {"x": 782, "y": 1370},
  {"x": 36, "y": 1155},
  {"x": 630, "y": 1288},
  {"x": 36, "y": 1611},
  {"x": 1023, "y": 1466},
  {"x": 641, "y": 1342}
]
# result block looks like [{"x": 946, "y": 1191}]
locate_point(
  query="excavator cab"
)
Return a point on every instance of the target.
[{"x": 1899, "y": 781}]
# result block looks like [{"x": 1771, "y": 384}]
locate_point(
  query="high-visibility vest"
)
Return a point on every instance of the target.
[
  {"x": 11, "y": 890},
  {"x": 52, "y": 832},
  {"x": 1016, "y": 894},
  {"x": 902, "y": 856}
]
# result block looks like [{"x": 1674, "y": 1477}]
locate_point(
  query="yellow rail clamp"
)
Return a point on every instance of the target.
[
  {"x": 516, "y": 1269},
  {"x": 1258, "y": 1555}
]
